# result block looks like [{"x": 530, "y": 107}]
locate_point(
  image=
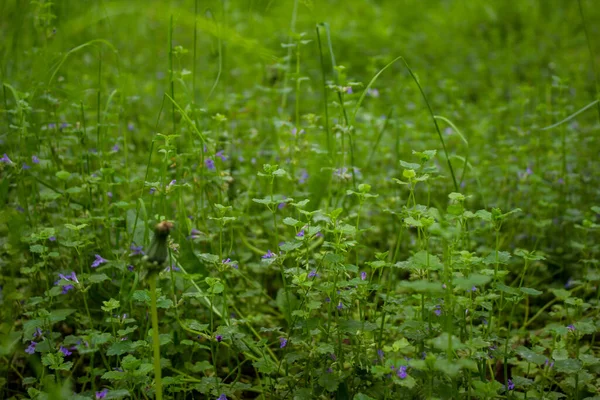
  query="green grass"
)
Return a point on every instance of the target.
[{"x": 371, "y": 199}]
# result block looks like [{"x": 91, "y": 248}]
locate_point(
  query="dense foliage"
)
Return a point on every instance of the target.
[{"x": 357, "y": 199}]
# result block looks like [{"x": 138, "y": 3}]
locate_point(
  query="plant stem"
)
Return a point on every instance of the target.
[{"x": 155, "y": 339}]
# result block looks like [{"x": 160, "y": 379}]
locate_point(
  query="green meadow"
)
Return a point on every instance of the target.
[{"x": 299, "y": 199}]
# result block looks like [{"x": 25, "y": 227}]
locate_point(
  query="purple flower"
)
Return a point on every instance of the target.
[
  {"x": 219, "y": 338},
  {"x": 35, "y": 160},
  {"x": 571, "y": 328},
  {"x": 5, "y": 159},
  {"x": 51, "y": 125},
  {"x": 65, "y": 351},
  {"x": 269, "y": 254},
  {"x": 444, "y": 286},
  {"x": 349, "y": 90},
  {"x": 194, "y": 234},
  {"x": 328, "y": 299},
  {"x": 25, "y": 166},
  {"x": 130, "y": 268},
  {"x": 332, "y": 356},
  {"x": 363, "y": 276},
  {"x": 300, "y": 234},
  {"x": 222, "y": 156},
  {"x": 31, "y": 348},
  {"x": 569, "y": 283},
  {"x": 282, "y": 342},
  {"x": 210, "y": 164},
  {"x": 511, "y": 385},
  {"x": 116, "y": 147},
  {"x": 438, "y": 310},
  {"x": 52, "y": 238},
  {"x": 226, "y": 261},
  {"x": 109, "y": 194},
  {"x": 99, "y": 260},
  {"x": 401, "y": 372},
  {"x": 63, "y": 125},
  {"x": 174, "y": 181},
  {"x": 66, "y": 288},
  {"x": 130, "y": 127},
  {"x": 318, "y": 234},
  {"x": 312, "y": 273},
  {"x": 380, "y": 353},
  {"x": 373, "y": 92},
  {"x": 222, "y": 397},
  {"x": 38, "y": 333},
  {"x": 549, "y": 364},
  {"x": 303, "y": 177},
  {"x": 173, "y": 268},
  {"x": 340, "y": 305},
  {"x": 152, "y": 190},
  {"x": 136, "y": 250},
  {"x": 281, "y": 205},
  {"x": 473, "y": 289},
  {"x": 101, "y": 394}
]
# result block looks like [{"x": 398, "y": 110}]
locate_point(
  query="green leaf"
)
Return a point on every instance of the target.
[
  {"x": 291, "y": 221},
  {"x": 530, "y": 291},
  {"x": 118, "y": 348},
  {"x": 329, "y": 381},
  {"x": 97, "y": 278},
  {"x": 473, "y": 280},
  {"x": 60, "y": 314},
  {"x": 568, "y": 366},
  {"x": 531, "y": 356}
]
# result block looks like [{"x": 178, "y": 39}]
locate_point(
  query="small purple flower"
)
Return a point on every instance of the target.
[
  {"x": 51, "y": 125},
  {"x": 438, "y": 310},
  {"x": 332, "y": 356},
  {"x": 38, "y": 333},
  {"x": 116, "y": 147},
  {"x": 312, "y": 273},
  {"x": 222, "y": 397},
  {"x": 136, "y": 250},
  {"x": 66, "y": 288},
  {"x": 174, "y": 181},
  {"x": 282, "y": 342},
  {"x": 99, "y": 260},
  {"x": 569, "y": 283},
  {"x": 130, "y": 268},
  {"x": 571, "y": 328},
  {"x": 219, "y": 338},
  {"x": 194, "y": 234},
  {"x": 380, "y": 354},
  {"x": 444, "y": 286},
  {"x": 19, "y": 208},
  {"x": 329, "y": 370},
  {"x": 281, "y": 205},
  {"x": 303, "y": 177},
  {"x": 221, "y": 155},
  {"x": 473, "y": 289},
  {"x": 401, "y": 372},
  {"x": 5, "y": 159},
  {"x": 173, "y": 268},
  {"x": 349, "y": 90},
  {"x": 373, "y": 93},
  {"x": 340, "y": 305},
  {"x": 319, "y": 234},
  {"x": 363, "y": 276},
  {"x": 31, "y": 348},
  {"x": 328, "y": 299},
  {"x": 511, "y": 385},
  {"x": 300, "y": 234},
  {"x": 549, "y": 364},
  {"x": 52, "y": 238},
  {"x": 35, "y": 159},
  {"x": 210, "y": 164},
  {"x": 269, "y": 254},
  {"x": 66, "y": 352},
  {"x": 101, "y": 394},
  {"x": 64, "y": 125},
  {"x": 25, "y": 166},
  {"x": 152, "y": 190},
  {"x": 109, "y": 194},
  {"x": 226, "y": 261},
  {"x": 130, "y": 127}
]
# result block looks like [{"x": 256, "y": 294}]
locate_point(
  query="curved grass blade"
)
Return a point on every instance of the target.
[{"x": 570, "y": 117}]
